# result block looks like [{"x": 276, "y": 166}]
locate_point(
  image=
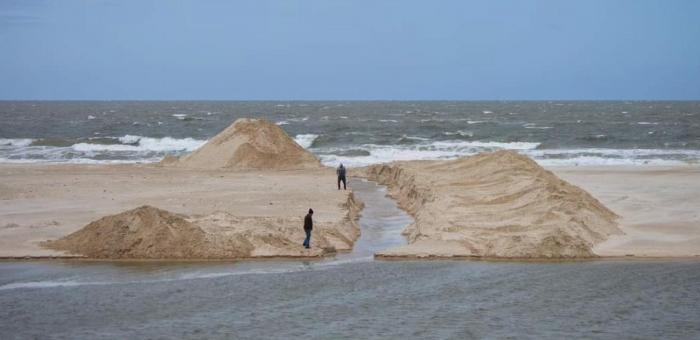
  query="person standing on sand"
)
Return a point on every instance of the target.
[
  {"x": 308, "y": 226},
  {"x": 341, "y": 176}
]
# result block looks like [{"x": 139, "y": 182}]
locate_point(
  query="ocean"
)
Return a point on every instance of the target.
[{"x": 359, "y": 133}]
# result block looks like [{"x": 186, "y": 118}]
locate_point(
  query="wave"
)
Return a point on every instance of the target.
[
  {"x": 125, "y": 149},
  {"x": 534, "y": 126},
  {"x": 138, "y": 143},
  {"x": 462, "y": 133},
  {"x": 442, "y": 150},
  {"x": 16, "y": 141},
  {"x": 422, "y": 151},
  {"x": 141, "y": 149},
  {"x": 305, "y": 140}
]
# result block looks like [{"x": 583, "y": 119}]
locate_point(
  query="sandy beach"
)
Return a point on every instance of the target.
[
  {"x": 657, "y": 205},
  {"x": 41, "y": 202}
]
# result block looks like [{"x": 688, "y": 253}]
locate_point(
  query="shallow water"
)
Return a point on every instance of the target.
[{"x": 351, "y": 296}]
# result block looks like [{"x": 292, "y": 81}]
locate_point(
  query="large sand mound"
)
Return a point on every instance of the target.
[
  {"x": 151, "y": 233},
  {"x": 499, "y": 204},
  {"x": 250, "y": 144},
  {"x": 144, "y": 232}
]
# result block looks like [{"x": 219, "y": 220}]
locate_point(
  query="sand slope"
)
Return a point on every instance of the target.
[
  {"x": 144, "y": 232},
  {"x": 151, "y": 233},
  {"x": 499, "y": 204},
  {"x": 249, "y": 144}
]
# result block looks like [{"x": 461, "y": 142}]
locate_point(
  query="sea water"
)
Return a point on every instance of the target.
[{"x": 360, "y": 133}]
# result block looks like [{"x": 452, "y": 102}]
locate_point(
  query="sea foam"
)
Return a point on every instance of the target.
[
  {"x": 16, "y": 141},
  {"x": 305, "y": 140}
]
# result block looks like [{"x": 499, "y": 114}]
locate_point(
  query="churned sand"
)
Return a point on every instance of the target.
[{"x": 499, "y": 204}]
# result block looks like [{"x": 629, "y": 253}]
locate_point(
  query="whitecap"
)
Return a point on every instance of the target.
[
  {"x": 423, "y": 151},
  {"x": 139, "y": 143},
  {"x": 16, "y": 141},
  {"x": 305, "y": 140},
  {"x": 462, "y": 133}
]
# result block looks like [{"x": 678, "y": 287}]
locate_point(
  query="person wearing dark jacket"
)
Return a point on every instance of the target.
[
  {"x": 341, "y": 176},
  {"x": 308, "y": 226}
]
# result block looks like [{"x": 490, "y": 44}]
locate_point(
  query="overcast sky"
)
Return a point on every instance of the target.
[{"x": 327, "y": 49}]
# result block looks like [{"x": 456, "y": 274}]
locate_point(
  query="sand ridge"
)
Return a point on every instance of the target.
[{"x": 499, "y": 204}]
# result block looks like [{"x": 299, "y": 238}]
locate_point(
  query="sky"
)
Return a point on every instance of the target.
[{"x": 350, "y": 50}]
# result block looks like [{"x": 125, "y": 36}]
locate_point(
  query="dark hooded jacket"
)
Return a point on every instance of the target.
[{"x": 308, "y": 222}]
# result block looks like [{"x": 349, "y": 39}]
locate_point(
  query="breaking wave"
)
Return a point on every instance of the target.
[
  {"x": 125, "y": 149},
  {"x": 374, "y": 154},
  {"x": 305, "y": 140}
]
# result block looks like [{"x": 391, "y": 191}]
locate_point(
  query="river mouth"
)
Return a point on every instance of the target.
[{"x": 381, "y": 221}]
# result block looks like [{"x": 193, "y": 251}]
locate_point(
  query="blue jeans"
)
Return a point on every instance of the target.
[{"x": 307, "y": 241}]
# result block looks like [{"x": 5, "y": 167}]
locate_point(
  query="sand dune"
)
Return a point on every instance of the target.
[
  {"x": 499, "y": 204},
  {"x": 249, "y": 144}
]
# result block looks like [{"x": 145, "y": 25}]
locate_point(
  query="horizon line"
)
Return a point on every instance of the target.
[{"x": 352, "y": 100}]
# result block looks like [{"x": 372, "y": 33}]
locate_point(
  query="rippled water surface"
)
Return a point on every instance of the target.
[
  {"x": 360, "y": 133},
  {"x": 360, "y": 300}
]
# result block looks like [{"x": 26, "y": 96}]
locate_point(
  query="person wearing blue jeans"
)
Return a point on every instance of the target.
[{"x": 308, "y": 226}]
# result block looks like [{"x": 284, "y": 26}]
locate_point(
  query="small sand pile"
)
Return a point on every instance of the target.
[
  {"x": 145, "y": 232},
  {"x": 249, "y": 144},
  {"x": 499, "y": 204},
  {"x": 151, "y": 233}
]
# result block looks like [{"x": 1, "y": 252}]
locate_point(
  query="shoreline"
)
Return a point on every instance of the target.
[{"x": 377, "y": 257}]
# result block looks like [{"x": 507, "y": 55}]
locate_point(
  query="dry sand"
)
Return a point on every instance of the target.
[
  {"x": 499, "y": 204},
  {"x": 205, "y": 205},
  {"x": 43, "y": 202},
  {"x": 502, "y": 206},
  {"x": 659, "y": 207}
]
